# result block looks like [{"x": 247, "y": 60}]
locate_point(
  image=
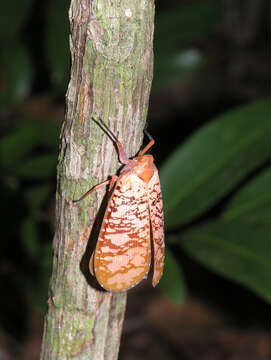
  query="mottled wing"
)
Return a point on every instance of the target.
[
  {"x": 157, "y": 226},
  {"x": 123, "y": 252}
]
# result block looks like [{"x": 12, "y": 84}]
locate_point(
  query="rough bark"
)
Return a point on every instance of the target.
[{"x": 111, "y": 74}]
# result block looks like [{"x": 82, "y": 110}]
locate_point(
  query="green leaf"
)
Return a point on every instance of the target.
[
  {"x": 12, "y": 17},
  {"x": 46, "y": 257},
  {"x": 253, "y": 202},
  {"x": 29, "y": 235},
  {"x": 38, "y": 167},
  {"x": 17, "y": 74},
  {"x": 57, "y": 42},
  {"x": 15, "y": 146},
  {"x": 36, "y": 196},
  {"x": 47, "y": 131},
  {"x": 214, "y": 160},
  {"x": 238, "y": 251},
  {"x": 184, "y": 64},
  {"x": 172, "y": 282},
  {"x": 172, "y": 30}
]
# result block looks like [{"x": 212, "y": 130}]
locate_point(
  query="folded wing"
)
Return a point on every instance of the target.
[
  {"x": 123, "y": 253},
  {"x": 157, "y": 226}
]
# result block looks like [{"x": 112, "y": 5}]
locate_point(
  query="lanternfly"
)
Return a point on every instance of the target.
[{"x": 132, "y": 232}]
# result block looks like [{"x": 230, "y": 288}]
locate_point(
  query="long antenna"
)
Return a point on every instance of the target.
[
  {"x": 150, "y": 144},
  {"x": 110, "y": 132},
  {"x": 147, "y": 133},
  {"x": 122, "y": 156}
]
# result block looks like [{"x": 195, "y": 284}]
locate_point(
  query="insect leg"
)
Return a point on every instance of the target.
[
  {"x": 96, "y": 187},
  {"x": 112, "y": 182}
]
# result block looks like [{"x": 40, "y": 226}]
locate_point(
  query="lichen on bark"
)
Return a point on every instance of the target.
[{"x": 111, "y": 74}]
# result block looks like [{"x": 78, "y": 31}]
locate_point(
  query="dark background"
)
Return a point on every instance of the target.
[{"x": 211, "y": 58}]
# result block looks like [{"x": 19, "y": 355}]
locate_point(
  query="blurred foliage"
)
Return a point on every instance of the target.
[
  {"x": 215, "y": 160},
  {"x": 252, "y": 203},
  {"x": 174, "y": 57},
  {"x": 215, "y": 184},
  {"x": 15, "y": 62},
  {"x": 57, "y": 44},
  {"x": 172, "y": 282},
  {"x": 28, "y": 156},
  {"x": 223, "y": 159},
  {"x": 238, "y": 250}
]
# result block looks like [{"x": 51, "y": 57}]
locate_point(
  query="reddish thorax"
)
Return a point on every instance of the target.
[{"x": 142, "y": 166}]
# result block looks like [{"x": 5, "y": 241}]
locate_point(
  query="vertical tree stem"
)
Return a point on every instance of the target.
[{"x": 111, "y": 74}]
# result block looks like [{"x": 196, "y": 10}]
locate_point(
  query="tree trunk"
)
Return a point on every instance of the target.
[{"x": 111, "y": 74}]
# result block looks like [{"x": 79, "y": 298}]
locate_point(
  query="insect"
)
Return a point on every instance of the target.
[{"x": 131, "y": 237}]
